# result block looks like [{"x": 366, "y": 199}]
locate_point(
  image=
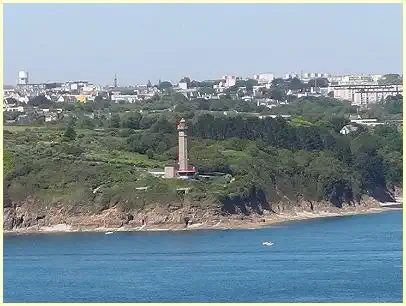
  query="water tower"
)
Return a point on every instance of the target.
[{"x": 23, "y": 78}]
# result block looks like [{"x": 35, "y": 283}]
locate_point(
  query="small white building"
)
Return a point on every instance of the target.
[
  {"x": 182, "y": 85},
  {"x": 367, "y": 122},
  {"x": 348, "y": 129},
  {"x": 306, "y": 76},
  {"x": 127, "y": 98},
  {"x": 229, "y": 81},
  {"x": 264, "y": 78},
  {"x": 49, "y": 117},
  {"x": 19, "y": 109}
]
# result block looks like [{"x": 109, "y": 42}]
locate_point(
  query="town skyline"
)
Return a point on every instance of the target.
[
  {"x": 137, "y": 49},
  {"x": 115, "y": 78}
]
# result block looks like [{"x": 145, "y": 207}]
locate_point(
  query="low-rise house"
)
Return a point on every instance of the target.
[
  {"x": 127, "y": 98},
  {"x": 19, "y": 109},
  {"x": 348, "y": 129},
  {"x": 367, "y": 122},
  {"x": 49, "y": 119},
  {"x": 267, "y": 102},
  {"x": 354, "y": 117}
]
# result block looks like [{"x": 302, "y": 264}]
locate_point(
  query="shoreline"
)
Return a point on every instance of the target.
[{"x": 223, "y": 224}]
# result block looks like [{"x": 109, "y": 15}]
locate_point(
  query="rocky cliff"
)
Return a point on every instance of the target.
[{"x": 31, "y": 216}]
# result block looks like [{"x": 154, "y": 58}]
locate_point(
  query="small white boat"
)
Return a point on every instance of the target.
[
  {"x": 108, "y": 233},
  {"x": 267, "y": 243}
]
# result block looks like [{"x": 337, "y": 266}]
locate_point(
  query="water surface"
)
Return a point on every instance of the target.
[{"x": 346, "y": 259}]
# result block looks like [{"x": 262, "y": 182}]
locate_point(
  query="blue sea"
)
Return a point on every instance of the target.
[{"x": 344, "y": 259}]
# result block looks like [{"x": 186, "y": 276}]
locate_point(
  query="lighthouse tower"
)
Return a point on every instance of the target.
[
  {"x": 183, "y": 171},
  {"x": 183, "y": 160}
]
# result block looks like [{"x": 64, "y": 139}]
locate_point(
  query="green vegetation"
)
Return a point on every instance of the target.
[
  {"x": 390, "y": 79},
  {"x": 391, "y": 108},
  {"x": 315, "y": 108},
  {"x": 98, "y": 163}
]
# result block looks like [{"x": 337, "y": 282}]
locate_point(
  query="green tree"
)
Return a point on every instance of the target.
[
  {"x": 132, "y": 120},
  {"x": 70, "y": 132},
  {"x": 243, "y": 106},
  {"x": 249, "y": 85},
  {"x": 320, "y": 82},
  {"x": 295, "y": 84},
  {"x": 391, "y": 79},
  {"x": 40, "y": 100},
  {"x": 162, "y": 125},
  {"x": 279, "y": 82},
  {"x": 185, "y": 80},
  {"x": 86, "y": 123},
  {"x": 115, "y": 121},
  {"x": 150, "y": 154},
  {"x": 277, "y": 94},
  {"x": 8, "y": 163},
  {"x": 165, "y": 85},
  {"x": 338, "y": 123}
]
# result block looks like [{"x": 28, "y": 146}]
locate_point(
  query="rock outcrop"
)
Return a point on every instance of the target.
[{"x": 32, "y": 216}]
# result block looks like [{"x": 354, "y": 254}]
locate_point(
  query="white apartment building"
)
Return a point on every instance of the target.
[
  {"x": 306, "y": 76},
  {"x": 127, "y": 98},
  {"x": 228, "y": 81},
  {"x": 264, "y": 78},
  {"x": 362, "y": 79},
  {"x": 357, "y": 80},
  {"x": 362, "y": 94}
]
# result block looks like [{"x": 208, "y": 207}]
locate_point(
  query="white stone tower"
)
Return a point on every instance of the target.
[{"x": 183, "y": 160}]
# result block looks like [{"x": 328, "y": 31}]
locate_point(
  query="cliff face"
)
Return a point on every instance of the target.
[{"x": 30, "y": 215}]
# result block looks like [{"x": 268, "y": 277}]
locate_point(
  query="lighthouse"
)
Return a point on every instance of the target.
[
  {"x": 182, "y": 134},
  {"x": 182, "y": 171}
]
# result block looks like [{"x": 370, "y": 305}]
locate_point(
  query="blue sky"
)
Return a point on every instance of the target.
[{"x": 141, "y": 42}]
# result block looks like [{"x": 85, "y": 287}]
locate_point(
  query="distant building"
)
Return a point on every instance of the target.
[
  {"x": 126, "y": 98},
  {"x": 306, "y": 76},
  {"x": 49, "y": 117},
  {"x": 354, "y": 117},
  {"x": 19, "y": 109},
  {"x": 367, "y": 122},
  {"x": 362, "y": 94},
  {"x": 23, "y": 78},
  {"x": 182, "y": 85},
  {"x": 264, "y": 78},
  {"x": 358, "y": 80},
  {"x": 228, "y": 81},
  {"x": 81, "y": 98},
  {"x": 31, "y": 87},
  {"x": 348, "y": 129}
]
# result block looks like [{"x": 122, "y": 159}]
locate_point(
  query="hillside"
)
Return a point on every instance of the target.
[{"x": 249, "y": 168}]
